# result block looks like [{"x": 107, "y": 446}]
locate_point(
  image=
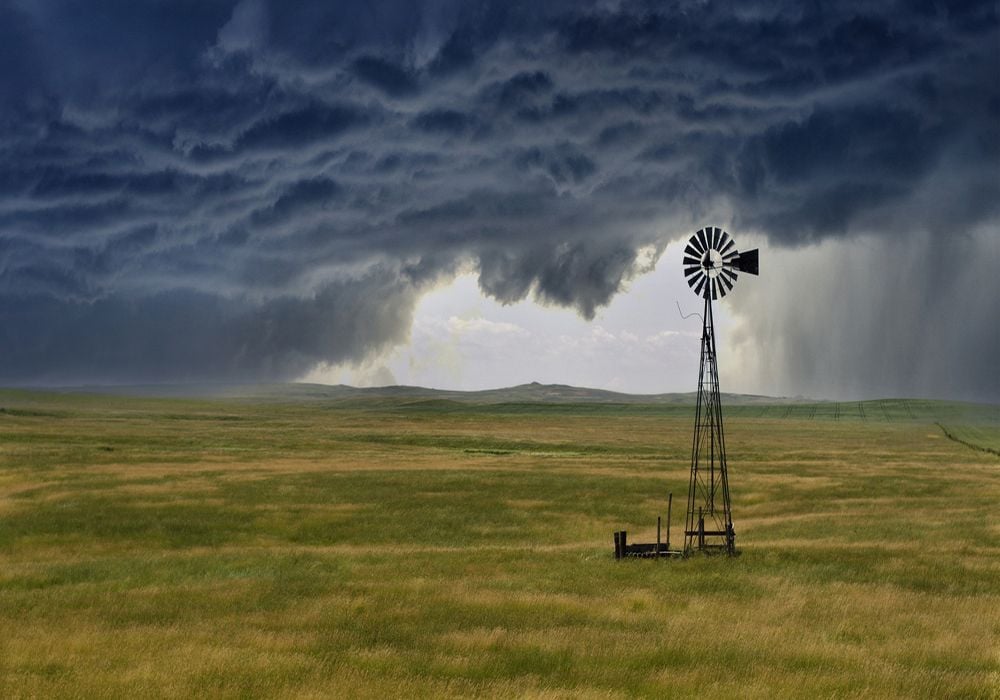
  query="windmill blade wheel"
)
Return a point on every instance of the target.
[{"x": 711, "y": 261}]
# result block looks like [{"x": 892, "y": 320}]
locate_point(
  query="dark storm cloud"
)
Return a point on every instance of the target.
[
  {"x": 246, "y": 189},
  {"x": 163, "y": 336},
  {"x": 583, "y": 274},
  {"x": 563, "y": 162},
  {"x": 296, "y": 200},
  {"x": 447, "y": 121},
  {"x": 520, "y": 91},
  {"x": 392, "y": 79},
  {"x": 300, "y": 126}
]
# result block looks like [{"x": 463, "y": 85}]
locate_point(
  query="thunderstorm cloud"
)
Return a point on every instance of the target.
[{"x": 223, "y": 190}]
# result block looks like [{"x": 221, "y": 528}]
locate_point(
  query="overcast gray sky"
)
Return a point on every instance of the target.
[{"x": 254, "y": 190}]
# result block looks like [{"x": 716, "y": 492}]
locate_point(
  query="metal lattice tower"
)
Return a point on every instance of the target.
[{"x": 711, "y": 264}]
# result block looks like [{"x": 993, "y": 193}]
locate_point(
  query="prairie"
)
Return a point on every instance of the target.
[{"x": 396, "y": 547}]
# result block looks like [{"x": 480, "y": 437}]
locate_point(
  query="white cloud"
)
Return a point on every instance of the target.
[{"x": 481, "y": 326}]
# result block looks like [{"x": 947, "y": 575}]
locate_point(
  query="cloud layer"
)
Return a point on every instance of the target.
[{"x": 219, "y": 190}]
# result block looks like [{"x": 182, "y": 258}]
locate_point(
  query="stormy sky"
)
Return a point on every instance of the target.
[{"x": 241, "y": 191}]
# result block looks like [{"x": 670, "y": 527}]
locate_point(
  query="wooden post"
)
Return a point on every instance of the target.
[
  {"x": 670, "y": 503},
  {"x": 618, "y": 545},
  {"x": 657, "y": 535},
  {"x": 701, "y": 530}
]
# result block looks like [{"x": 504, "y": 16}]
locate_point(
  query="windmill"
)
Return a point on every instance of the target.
[{"x": 711, "y": 264}]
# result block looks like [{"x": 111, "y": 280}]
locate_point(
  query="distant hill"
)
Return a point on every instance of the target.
[
  {"x": 523, "y": 393},
  {"x": 972, "y": 424}
]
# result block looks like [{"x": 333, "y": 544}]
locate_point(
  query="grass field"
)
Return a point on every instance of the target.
[{"x": 388, "y": 548}]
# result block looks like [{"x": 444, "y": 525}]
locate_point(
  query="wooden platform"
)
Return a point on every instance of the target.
[{"x": 642, "y": 550}]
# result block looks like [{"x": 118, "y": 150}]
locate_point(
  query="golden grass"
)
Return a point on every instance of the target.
[{"x": 301, "y": 551}]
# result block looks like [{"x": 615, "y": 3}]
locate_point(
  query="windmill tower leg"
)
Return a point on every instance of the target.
[{"x": 709, "y": 523}]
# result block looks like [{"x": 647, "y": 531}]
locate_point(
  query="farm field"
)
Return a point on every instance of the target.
[{"x": 394, "y": 547}]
